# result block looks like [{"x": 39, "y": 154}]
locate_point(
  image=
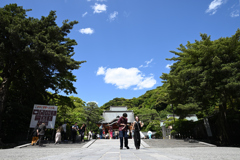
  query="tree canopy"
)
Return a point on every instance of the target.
[
  {"x": 206, "y": 76},
  {"x": 35, "y": 55}
]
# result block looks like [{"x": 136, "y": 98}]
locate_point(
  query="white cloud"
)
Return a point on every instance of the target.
[
  {"x": 148, "y": 82},
  {"x": 113, "y": 15},
  {"x": 124, "y": 78},
  {"x": 168, "y": 66},
  {"x": 86, "y": 31},
  {"x": 101, "y": 71},
  {"x": 99, "y": 8},
  {"x": 235, "y": 13},
  {"x": 84, "y": 14},
  {"x": 147, "y": 63},
  {"x": 214, "y": 5}
]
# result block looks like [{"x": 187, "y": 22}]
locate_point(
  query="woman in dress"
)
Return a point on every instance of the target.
[
  {"x": 58, "y": 134},
  {"x": 137, "y": 125}
]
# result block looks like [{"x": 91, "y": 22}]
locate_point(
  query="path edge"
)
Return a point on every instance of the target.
[
  {"x": 89, "y": 143},
  {"x": 21, "y": 146},
  {"x": 144, "y": 144}
]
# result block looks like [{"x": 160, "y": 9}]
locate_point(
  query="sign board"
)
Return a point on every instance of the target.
[{"x": 43, "y": 113}]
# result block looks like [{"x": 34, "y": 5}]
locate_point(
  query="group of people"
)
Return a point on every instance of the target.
[
  {"x": 81, "y": 131},
  {"x": 38, "y": 134},
  {"x": 104, "y": 133},
  {"x": 123, "y": 131},
  {"x": 40, "y": 129}
]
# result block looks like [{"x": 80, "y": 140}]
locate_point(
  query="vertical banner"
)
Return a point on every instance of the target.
[{"x": 43, "y": 113}]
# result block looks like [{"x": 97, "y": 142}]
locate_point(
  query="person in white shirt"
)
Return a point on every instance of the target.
[
  {"x": 149, "y": 134},
  {"x": 90, "y": 135}
]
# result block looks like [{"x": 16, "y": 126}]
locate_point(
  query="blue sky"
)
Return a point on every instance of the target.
[{"x": 126, "y": 42}]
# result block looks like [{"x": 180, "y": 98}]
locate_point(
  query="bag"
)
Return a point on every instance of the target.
[{"x": 80, "y": 131}]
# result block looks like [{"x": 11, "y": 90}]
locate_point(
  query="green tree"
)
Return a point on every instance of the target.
[
  {"x": 206, "y": 74},
  {"x": 92, "y": 115},
  {"x": 35, "y": 54},
  {"x": 70, "y": 109},
  {"x": 149, "y": 117}
]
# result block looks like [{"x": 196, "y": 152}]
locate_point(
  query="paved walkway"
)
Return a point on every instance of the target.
[
  {"x": 173, "y": 143},
  {"x": 109, "y": 150}
]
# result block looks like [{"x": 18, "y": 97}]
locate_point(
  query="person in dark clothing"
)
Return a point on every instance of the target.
[
  {"x": 74, "y": 132},
  {"x": 64, "y": 131},
  {"x": 101, "y": 131},
  {"x": 82, "y": 131},
  {"x": 106, "y": 133},
  {"x": 137, "y": 125},
  {"x": 42, "y": 129},
  {"x": 35, "y": 135},
  {"x": 122, "y": 123}
]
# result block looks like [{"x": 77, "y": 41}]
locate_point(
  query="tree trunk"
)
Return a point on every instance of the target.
[
  {"x": 1, "y": 132},
  {"x": 223, "y": 123},
  {"x": 3, "y": 98}
]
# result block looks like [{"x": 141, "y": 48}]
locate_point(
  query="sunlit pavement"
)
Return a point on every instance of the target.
[{"x": 109, "y": 149}]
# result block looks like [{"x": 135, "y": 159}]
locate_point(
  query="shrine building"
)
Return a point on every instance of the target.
[{"x": 111, "y": 116}]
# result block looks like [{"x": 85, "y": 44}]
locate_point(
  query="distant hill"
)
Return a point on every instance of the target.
[{"x": 152, "y": 99}]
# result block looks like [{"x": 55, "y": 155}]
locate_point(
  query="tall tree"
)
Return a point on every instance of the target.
[
  {"x": 35, "y": 52},
  {"x": 206, "y": 74},
  {"x": 92, "y": 115}
]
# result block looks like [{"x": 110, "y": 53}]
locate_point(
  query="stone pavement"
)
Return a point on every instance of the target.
[
  {"x": 109, "y": 149},
  {"x": 171, "y": 143}
]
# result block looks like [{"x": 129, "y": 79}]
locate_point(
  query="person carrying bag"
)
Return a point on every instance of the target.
[{"x": 137, "y": 126}]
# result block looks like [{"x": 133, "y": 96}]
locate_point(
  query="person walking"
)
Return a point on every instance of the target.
[
  {"x": 58, "y": 135},
  {"x": 42, "y": 129},
  {"x": 132, "y": 131},
  {"x": 149, "y": 134},
  {"x": 64, "y": 131},
  {"x": 35, "y": 135},
  {"x": 137, "y": 125},
  {"x": 101, "y": 131},
  {"x": 82, "y": 131},
  {"x": 117, "y": 134},
  {"x": 74, "y": 132},
  {"x": 90, "y": 135},
  {"x": 111, "y": 132},
  {"x": 122, "y": 123},
  {"x": 106, "y": 133}
]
